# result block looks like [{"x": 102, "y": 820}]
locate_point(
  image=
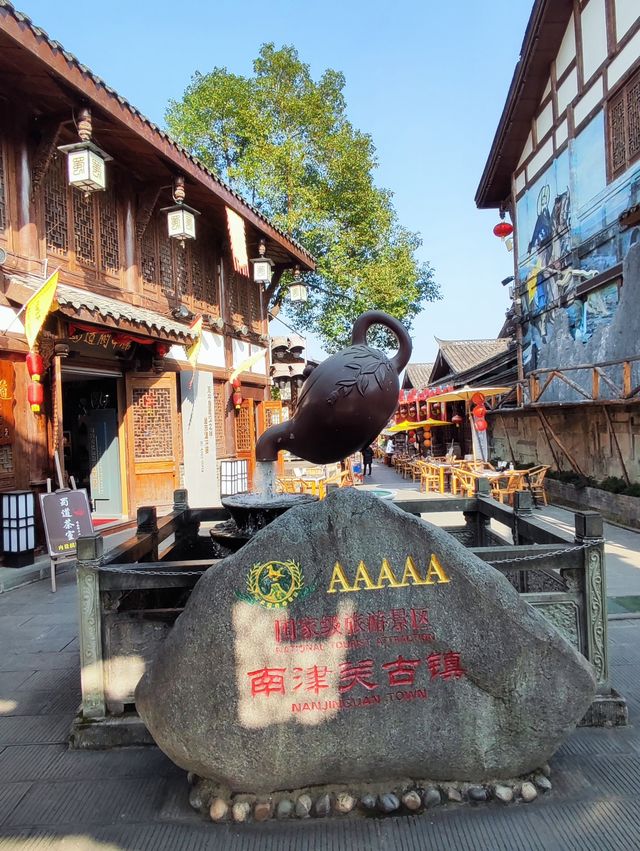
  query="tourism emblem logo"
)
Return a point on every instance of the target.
[{"x": 275, "y": 584}]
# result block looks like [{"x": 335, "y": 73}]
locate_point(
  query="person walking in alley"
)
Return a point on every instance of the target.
[
  {"x": 367, "y": 458},
  {"x": 389, "y": 449}
]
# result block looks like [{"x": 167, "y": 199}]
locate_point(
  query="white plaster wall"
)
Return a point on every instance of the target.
[
  {"x": 544, "y": 154},
  {"x": 627, "y": 13},
  {"x": 241, "y": 351},
  {"x": 567, "y": 50},
  {"x": 544, "y": 121},
  {"x": 520, "y": 181},
  {"x": 567, "y": 91},
  {"x": 594, "y": 36},
  {"x": 588, "y": 102},
  {"x": 547, "y": 89},
  {"x": 260, "y": 366},
  {"x": 528, "y": 148},
  {"x": 624, "y": 60},
  {"x": 211, "y": 351},
  {"x": 562, "y": 133}
]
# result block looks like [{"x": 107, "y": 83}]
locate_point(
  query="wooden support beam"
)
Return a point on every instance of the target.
[
  {"x": 569, "y": 456},
  {"x": 614, "y": 438}
]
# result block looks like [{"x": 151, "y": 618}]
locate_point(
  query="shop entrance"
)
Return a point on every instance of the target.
[{"x": 91, "y": 442}]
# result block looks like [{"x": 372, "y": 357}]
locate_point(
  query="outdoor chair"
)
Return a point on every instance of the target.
[
  {"x": 429, "y": 477},
  {"x": 463, "y": 481},
  {"x": 504, "y": 488},
  {"x": 535, "y": 477}
]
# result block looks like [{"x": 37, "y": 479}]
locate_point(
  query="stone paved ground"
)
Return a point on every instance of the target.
[{"x": 136, "y": 799}]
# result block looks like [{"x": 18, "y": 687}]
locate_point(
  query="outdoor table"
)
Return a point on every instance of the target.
[{"x": 441, "y": 469}]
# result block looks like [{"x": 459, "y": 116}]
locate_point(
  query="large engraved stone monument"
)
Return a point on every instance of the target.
[{"x": 348, "y": 641}]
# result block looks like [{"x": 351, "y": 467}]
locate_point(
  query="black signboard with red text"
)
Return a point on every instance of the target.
[{"x": 66, "y": 516}]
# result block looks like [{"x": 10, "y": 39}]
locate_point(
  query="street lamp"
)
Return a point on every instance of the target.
[
  {"x": 262, "y": 265},
  {"x": 298, "y": 292},
  {"x": 86, "y": 162},
  {"x": 181, "y": 219}
]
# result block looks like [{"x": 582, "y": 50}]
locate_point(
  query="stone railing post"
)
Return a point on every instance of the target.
[
  {"x": 147, "y": 523},
  {"x": 522, "y": 507},
  {"x": 89, "y": 552},
  {"x": 476, "y": 522},
  {"x": 186, "y": 528},
  {"x": 589, "y": 528}
]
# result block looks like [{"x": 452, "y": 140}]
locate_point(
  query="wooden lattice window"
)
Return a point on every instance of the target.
[
  {"x": 243, "y": 429},
  {"x": 56, "y": 216},
  {"x": 219, "y": 407},
  {"x": 188, "y": 272},
  {"x": 6, "y": 460},
  {"x": 86, "y": 225},
  {"x": 624, "y": 127},
  {"x": 3, "y": 192},
  {"x": 244, "y": 300},
  {"x": 152, "y": 424}
]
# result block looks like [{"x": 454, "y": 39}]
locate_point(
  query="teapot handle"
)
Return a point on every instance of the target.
[{"x": 377, "y": 317}]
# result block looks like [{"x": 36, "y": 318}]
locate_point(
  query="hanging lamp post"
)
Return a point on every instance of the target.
[
  {"x": 181, "y": 219},
  {"x": 86, "y": 162}
]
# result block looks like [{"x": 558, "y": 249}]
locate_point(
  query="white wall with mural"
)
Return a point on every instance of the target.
[{"x": 568, "y": 219}]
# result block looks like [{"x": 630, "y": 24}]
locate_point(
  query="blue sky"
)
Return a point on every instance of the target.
[{"x": 426, "y": 79}]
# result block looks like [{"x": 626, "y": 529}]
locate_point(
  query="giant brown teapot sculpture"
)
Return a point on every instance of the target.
[{"x": 345, "y": 402}]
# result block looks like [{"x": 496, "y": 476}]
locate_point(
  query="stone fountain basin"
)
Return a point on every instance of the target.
[{"x": 253, "y": 511}]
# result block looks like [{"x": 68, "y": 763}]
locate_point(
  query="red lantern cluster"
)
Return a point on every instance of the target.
[
  {"x": 236, "y": 397},
  {"x": 479, "y": 412},
  {"x": 35, "y": 391}
]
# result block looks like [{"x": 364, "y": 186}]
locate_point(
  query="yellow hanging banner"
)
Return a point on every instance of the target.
[{"x": 38, "y": 308}]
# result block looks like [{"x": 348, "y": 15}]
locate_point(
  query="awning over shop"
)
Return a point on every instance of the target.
[
  {"x": 88, "y": 307},
  {"x": 98, "y": 309}
]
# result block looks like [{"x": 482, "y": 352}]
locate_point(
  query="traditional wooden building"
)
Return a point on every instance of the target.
[
  {"x": 129, "y": 419},
  {"x": 565, "y": 167}
]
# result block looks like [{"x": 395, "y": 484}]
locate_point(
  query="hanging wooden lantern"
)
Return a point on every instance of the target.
[
  {"x": 481, "y": 425},
  {"x": 35, "y": 395}
]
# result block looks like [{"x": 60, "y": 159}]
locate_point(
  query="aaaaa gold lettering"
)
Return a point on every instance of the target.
[{"x": 340, "y": 581}]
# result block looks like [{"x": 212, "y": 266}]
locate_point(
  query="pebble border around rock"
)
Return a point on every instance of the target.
[{"x": 403, "y": 798}]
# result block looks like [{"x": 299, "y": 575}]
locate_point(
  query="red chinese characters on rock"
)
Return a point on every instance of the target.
[
  {"x": 267, "y": 681},
  {"x": 445, "y": 665},
  {"x": 370, "y": 623},
  {"x": 400, "y": 672},
  {"x": 356, "y": 673}
]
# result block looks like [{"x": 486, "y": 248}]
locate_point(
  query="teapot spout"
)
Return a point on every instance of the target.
[{"x": 273, "y": 440}]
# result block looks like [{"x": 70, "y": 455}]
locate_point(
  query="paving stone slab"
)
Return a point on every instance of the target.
[
  {"x": 62, "y": 680},
  {"x": 10, "y": 796},
  {"x": 57, "y": 762},
  {"x": 26, "y": 702},
  {"x": 12, "y": 680},
  {"x": 43, "y": 661},
  {"x": 36, "y": 729},
  {"x": 79, "y": 804}
]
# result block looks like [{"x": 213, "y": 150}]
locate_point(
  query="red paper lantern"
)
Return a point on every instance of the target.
[
  {"x": 481, "y": 425},
  {"x": 162, "y": 349},
  {"x": 412, "y": 434},
  {"x": 236, "y": 383},
  {"x": 35, "y": 395},
  {"x": 503, "y": 229},
  {"x": 479, "y": 412},
  {"x": 477, "y": 398},
  {"x": 237, "y": 399},
  {"x": 35, "y": 365},
  {"x": 456, "y": 419}
]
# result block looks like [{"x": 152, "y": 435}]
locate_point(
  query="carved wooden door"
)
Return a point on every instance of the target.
[
  {"x": 271, "y": 413},
  {"x": 153, "y": 434},
  {"x": 246, "y": 436}
]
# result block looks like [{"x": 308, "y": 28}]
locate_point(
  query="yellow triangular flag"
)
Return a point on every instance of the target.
[
  {"x": 38, "y": 308},
  {"x": 194, "y": 349}
]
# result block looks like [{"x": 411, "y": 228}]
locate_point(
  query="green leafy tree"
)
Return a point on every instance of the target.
[{"x": 284, "y": 142}]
